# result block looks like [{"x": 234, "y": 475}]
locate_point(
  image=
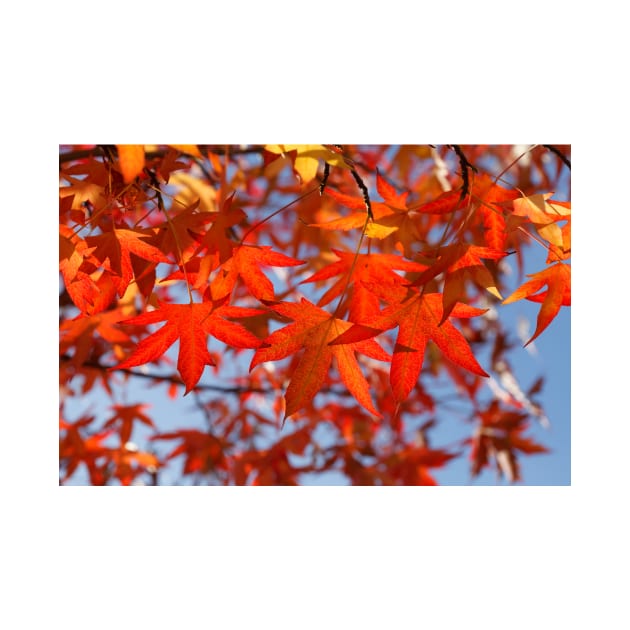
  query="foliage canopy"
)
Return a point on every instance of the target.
[{"x": 318, "y": 304}]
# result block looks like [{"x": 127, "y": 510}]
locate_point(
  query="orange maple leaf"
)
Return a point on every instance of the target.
[
  {"x": 391, "y": 216},
  {"x": 558, "y": 278},
  {"x": 129, "y": 462},
  {"x": 131, "y": 158},
  {"x": 544, "y": 215},
  {"x": 419, "y": 319},
  {"x": 191, "y": 324},
  {"x": 313, "y": 330},
  {"x": 73, "y": 250},
  {"x": 356, "y": 219}
]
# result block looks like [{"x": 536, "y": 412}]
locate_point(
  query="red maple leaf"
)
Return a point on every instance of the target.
[
  {"x": 419, "y": 319},
  {"x": 92, "y": 293},
  {"x": 488, "y": 199},
  {"x": 461, "y": 262},
  {"x": 372, "y": 277},
  {"x": 558, "y": 278},
  {"x": 313, "y": 330},
  {"x": 75, "y": 449},
  {"x": 245, "y": 262},
  {"x": 124, "y": 418},
  {"x": 80, "y": 333},
  {"x": 203, "y": 451},
  {"x": 499, "y": 436},
  {"x": 114, "y": 248},
  {"x": 181, "y": 233},
  {"x": 216, "y": 239},
  {"x": 191, "y": 324},
  {"x": 410, "y": 465}
]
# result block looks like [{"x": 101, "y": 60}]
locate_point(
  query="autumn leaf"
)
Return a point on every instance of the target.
[
  {"x": 203, "y": 451},
  {"x": 76, "y": 449},
  {"x": 391, "y": 246},
  {"x": 313, "y": 331},
  {"x": 447, "y": 202},
  {"x": 181, "y": 233},
  {"x": 217, "y": 239},
  {"x": 488, "y": 201},
  {"x": 124, "y": 418},
  {"x": 484, "y": 203},
  {"x": 419, "y": 319},
  {"x": 461, "y": 262},
  {"x": 131, "y": 158},
  {"x": 73, "y": 250},
  {"x": 411, "y": 465},
  {"x": 114, "y": 248},
  {"x": 499, "y": 436},
  {"x": 245, "y": 262},
  {"x": 129, "y": 462},
  {"x": 80, "y": 333},
  {"x": 558, "y": 280},
  {"x": 307, "y": 158},
  {"x": 544, "y": 215},
  {"x": 191, "y": 324},
  {"x": 92, "y": 293},
  {"x": 370, "y": 277},
  {"x": 355, "y": 220},
  {"x": 390, "y": 216}
]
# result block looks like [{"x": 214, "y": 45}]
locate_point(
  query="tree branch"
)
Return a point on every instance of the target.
[{"x": 98, "y": 151}]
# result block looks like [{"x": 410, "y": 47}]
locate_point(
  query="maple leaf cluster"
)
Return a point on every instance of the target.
[{"x": 310, "y": 300}]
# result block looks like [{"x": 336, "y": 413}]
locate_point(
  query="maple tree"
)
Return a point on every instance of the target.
[{"x": 310, "y": 300}]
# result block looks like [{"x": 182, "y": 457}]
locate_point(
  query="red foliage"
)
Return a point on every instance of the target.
[{"x": 359, "y": 254}]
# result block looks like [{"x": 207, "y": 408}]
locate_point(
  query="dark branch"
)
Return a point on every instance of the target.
[
  {"x": 364, "y": 190},
  {"x": 99, "y": 151},
  {"x": 167, "y": 378},
  {"x": 559, "y": 153},
  {"x": 464, "y": 166}
]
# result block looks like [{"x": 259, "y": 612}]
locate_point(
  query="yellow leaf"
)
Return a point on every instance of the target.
[
  {"x": 378, "y": 230},
  {"x": 190, "y": 189},
  {"x": 543, "y": 215},
  {"x": 308, "y": 157},
  {"x": 131, "y": 157}
]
